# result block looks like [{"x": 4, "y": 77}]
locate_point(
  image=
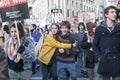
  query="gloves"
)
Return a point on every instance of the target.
[{"x": 21, "y": 49}]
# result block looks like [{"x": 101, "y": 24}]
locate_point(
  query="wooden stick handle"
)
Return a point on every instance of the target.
[{"x": 18, "y": 37}]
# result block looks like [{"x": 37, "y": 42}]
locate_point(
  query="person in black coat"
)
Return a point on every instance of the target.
[
  {"x": 3, "y": 65},
  {"x": 106, "y": 45},
  {"x": 90, "y": 59}
]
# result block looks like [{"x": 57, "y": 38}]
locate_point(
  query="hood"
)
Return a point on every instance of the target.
[{"x": 104, "y": 24}]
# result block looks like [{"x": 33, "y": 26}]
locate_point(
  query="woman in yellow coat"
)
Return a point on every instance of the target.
[{"x": 46, "y": 55}]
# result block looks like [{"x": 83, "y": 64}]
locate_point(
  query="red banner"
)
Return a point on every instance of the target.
[{"x": 8, "y": 3}]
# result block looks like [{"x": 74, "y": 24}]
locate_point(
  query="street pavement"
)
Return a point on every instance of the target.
[{"x": 38, "y": 75}]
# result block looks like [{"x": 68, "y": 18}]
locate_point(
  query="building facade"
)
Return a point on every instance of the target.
[{"x": 70, "y": 8}]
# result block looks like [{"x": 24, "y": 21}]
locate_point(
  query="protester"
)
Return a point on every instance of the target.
[
  {"x": 47, "y": 53},
  {"x": 3, "y": 65},
  {"x": 1, "y": 36},
  {"x": 82, "y": 35},
  {"x": 106, "y": 45},
  {"x": 19, "y": 57},
  {"x": 90, "y": 59},
  {"x": 35, "y": 33},
  {"x": 27, "y": 34},
  {"x": 66, "y": 57},
  {"x": 6, "y": 33}
]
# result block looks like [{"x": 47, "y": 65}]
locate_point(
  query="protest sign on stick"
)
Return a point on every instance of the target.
[{"x": 13, "y": 10}]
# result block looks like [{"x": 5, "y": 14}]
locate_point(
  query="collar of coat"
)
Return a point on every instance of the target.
[{"x": 104, "y": 26}]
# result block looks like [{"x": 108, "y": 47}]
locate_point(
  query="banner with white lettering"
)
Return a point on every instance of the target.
[{"x": 13, "y": 10}]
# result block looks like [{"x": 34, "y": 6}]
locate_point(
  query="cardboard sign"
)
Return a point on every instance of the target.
[
  {"x": 14, "y": 10},
  {"x": 56, "y": 15}
]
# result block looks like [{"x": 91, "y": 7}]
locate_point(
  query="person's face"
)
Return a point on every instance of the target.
[
  {"x": 81, "y": 28},
  {"x": 13, "y": 33},
  {"x": 64, "y": 29},
  {"x": 31, "y": 27},
  {"x": 94, "y": 29},
  {"x": 54, "y": 29},
  {"x": 111, "y": 15}
]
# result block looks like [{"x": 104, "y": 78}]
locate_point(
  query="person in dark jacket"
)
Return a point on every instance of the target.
[
  {"x": 35, "y": 33},
  {"x": 3, "y": 65},
  {"x": 90, "y": 60},
  {"x": 82, "y": 71},
  {"x": 106, "y": 45},
  {"x": 66, "y": 57}
]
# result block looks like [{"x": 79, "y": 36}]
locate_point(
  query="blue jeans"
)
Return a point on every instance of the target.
[
  {"x": 80, "y": 66},
  {"x": 63, "y": 67}
]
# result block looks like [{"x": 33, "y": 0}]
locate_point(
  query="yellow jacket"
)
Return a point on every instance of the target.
[{"x": 48, "y": 49}]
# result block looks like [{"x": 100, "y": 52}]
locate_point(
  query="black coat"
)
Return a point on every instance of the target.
[
  {"x": 3, "y": 65},
  {"x": 106, "y": 47}
]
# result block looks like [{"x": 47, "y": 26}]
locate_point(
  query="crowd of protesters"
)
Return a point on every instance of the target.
[{"x": 60, "y": 52}]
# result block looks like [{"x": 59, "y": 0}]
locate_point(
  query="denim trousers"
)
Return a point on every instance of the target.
[{"x": 62, "y": 68}]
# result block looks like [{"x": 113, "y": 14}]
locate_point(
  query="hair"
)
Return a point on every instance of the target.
[
  {"x": 27, "y": 29},
  {"x": 55, "y": 25},
  {"x": 34, "y": 25},
  {"x": 81, "y": 24},
  {"x": 65, "y": 23},
  {"x": 0, "y": 24},
  {"x": 6, "y": 28},
  {"x": 20, "y": 30},
  {"x": 41, "y": 30},
  {"x": 106, "y": 10},
  {"x": 55, "y": 36},
  {"x": 90, "y": 26}
]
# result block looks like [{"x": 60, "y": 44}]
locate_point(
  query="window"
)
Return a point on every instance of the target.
[
  {"x": 77, "y": 13},
  {"x": 72, "y": 3},
  {"x": 72, "y": 13},
  {"x": 87, "y": 8},
  {"x": 76, "y": 4},
  {"x": 67, "y": 2},
  {"x": 67, "y": 13},
  {"x": 93, "y": 9},
  {"x": 84, "y": 8},
  {"x": 89, "y": 1}
]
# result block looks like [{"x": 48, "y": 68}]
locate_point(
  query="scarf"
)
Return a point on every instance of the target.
[
  {"x": 12, "y": 51},
  {"x": 66, "y": 35}
]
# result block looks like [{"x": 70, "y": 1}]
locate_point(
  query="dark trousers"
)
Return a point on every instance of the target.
[
  {"x": 33, "y": 67},
  {"x": 49, "y": 71}
]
